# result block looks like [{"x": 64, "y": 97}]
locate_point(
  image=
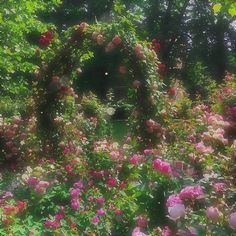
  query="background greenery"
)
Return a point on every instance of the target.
[{"x": 189, "y": 32}]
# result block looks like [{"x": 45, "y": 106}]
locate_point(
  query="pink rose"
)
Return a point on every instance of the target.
[
  {"x": 59, "y": 216},
  {"x": 119, "y": 212},
  {"x": 177, "y": 211},
  {"x": 166, "y": 232},
  {"x": 135, "y": 159},
  {"x": 173, "y": 200},
  {"x": 74, "y": 193},
  {"x": 232, "y": 221},
  {"x": 213, "y": 213},
  {"x": 201, "y": 148},
  {"x": 95, "y": 220},
  {"x": 101, "y": 212},
  {"x": 142, "y": 221},
  {"x": 32, "y": 181},
  {"x": 52, "y": 224},
  {"x": 137, "y": 232},
  {"x": 147, "y": 152},
  {"x": 219, "y": 187},
  {"x": 100, "y": 200},
  {"x": 111, "y": 182},
  {"x": 191, "y": 192},
  {"x": 162, "y": 166},
  {"x": 114, "y": 155},
  {"x": 75, "y": 204}
]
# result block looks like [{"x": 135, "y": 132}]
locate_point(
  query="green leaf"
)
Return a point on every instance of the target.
[
  {"x": 232, "y": 9},
  {"x": 216, "y": 7},
  {"x": 119, "y": 7}
]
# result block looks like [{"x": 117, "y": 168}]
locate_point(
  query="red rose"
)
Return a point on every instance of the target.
[
  {"x": 46, "y": 38},
  {"x": 156, "y": 45},
  {"x": 116, "y": 40},
  {"x": 172, "y": 91},
  {"x": 161, "y": 67}
]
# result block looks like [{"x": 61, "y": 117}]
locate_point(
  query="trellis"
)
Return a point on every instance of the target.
[{"x": 145, "y": 82}]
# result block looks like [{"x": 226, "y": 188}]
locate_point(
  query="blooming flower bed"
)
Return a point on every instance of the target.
[{"x": 84, "y": 183}]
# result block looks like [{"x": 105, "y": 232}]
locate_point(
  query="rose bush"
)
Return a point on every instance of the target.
[{"x": 69, "y": 177}]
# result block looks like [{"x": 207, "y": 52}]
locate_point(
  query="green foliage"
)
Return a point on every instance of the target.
[
  {"x": 228, "y": 6},
  {"x": 198, "y": 81},
  {"x": 20, "y": 30}
]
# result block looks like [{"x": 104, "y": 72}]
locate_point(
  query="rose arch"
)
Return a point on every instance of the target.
[{"x": 54, "y": 81}]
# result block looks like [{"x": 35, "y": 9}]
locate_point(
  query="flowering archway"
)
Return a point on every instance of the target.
[{"x": 54, "y": 80}]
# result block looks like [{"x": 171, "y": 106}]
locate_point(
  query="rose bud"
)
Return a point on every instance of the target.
[{"x": 116, "y": 40}]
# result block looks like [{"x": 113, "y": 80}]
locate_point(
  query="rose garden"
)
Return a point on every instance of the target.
[{"x": 104, "y": 140}]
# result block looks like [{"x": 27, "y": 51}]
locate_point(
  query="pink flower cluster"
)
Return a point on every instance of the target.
[
  {"x": 228, "y": 77},
  {"x": 214, "y": 215},
  {"x": 216, "y": 134},
  {"x": 109, "y": 147},
  {"x": 216, "y": 120},
  {"x": 101, "y": 146},
  {"x": 199, "y": 109},
  {"x": 38, "y": 185},
  {"x": 162, "y": 166},
  {"x": 42, "y": 186},
  {"x": 139, "y": 51},
  {"x": 219, "y": 187},
  {"x": 191, "y": 192},
  {"x": 74, "y": 193},
  {"x": 115, "y": 154},
  {"x": 100, "y": 211},
  {"x": 156, "y": 46},
  {"x": 71, "y": 148},
  {"x": 152, "y": 126},
  {"x": 6, "y": 195},
  {"x": 216, "y": 128},
  {"x": 55, "y": 223},
  {"x": 202, "y": 149},
  {"x": 9, "y": 132},
  {"x": 95, "y": 220},
  {"x": 135, "y": 159},
  {"x": 116, "y": 41},
  {"x": 174, "y": 203}
]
